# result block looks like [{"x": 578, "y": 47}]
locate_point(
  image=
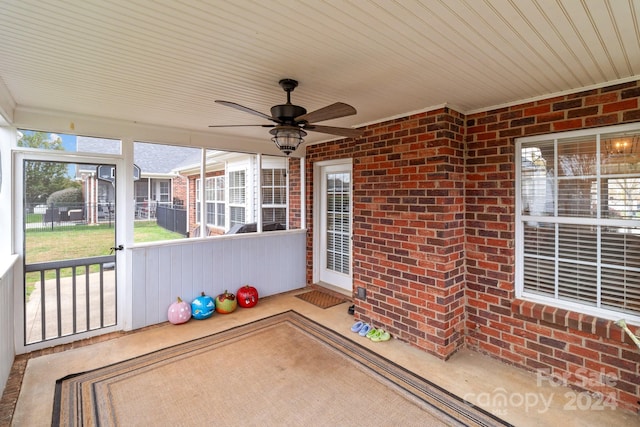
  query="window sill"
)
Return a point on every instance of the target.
[{"x": 559, "y": 318}]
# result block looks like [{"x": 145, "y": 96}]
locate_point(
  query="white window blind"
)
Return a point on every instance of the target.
[
  {"x": 237, "y": 197},
  {"x": 274, "y": 195},
  {"x": 578, "y": 218},
  {"x": 338, "y": 219}
]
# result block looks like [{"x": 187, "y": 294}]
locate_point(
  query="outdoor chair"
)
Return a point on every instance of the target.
[
  {"x": 253, "y": 227},
  {"x": 75, "y": 215},
  {"x": 64, "y": 214},
  {"x": 196, "y": 232},
  {"x": 51, "y": 215}
]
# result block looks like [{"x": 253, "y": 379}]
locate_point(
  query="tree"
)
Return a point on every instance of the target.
[{"x": 42, "y": 178}]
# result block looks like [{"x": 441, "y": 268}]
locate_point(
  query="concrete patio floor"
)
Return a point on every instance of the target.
[
  {"x": 33, "y": 309},
  {"x": 513, "y": 394}
]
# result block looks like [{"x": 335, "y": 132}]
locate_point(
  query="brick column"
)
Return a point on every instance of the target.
[{"x": 409, "y": 229}]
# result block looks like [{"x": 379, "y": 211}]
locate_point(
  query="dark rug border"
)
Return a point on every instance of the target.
[{"x": 462, "y": 407}]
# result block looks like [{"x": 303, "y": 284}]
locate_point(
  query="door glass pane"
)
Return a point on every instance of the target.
[{"x": 338, "y": 222}]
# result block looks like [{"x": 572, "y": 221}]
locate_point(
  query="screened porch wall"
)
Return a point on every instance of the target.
[
  {"x": 272, "y": 262},
  {"x": 147, "y": 197}
]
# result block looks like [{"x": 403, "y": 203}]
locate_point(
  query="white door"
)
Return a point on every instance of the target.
[
  {"x": 333, "y": 255},
  {"x": 69, "y": 249}
]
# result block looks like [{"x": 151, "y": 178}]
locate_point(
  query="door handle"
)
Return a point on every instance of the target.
[{"x": 116, "y": 248}]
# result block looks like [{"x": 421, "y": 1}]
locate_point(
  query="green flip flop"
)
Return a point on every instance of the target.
[
  {"x": 380, "y": 336},
  {"x": 371, "y": 333}
]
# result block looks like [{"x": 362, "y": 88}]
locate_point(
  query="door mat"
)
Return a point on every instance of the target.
[{"x": 321, "y": 299}]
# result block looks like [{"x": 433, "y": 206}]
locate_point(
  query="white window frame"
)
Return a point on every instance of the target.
[
  {"x": 163, "y": 195},
  {"x": 198, "y": 200},
  {"x": 219, "y": 203},
  {"x": 521, "y": 293},
  {"x": 233, "y": 203}
]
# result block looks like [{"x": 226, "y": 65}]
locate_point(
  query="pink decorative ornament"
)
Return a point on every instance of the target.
[{"x": 179, "y": 312}]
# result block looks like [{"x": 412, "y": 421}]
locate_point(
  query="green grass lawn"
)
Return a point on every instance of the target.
[
  {"x": 33, "y": 218},
  {"x": 82, "y": 241}
]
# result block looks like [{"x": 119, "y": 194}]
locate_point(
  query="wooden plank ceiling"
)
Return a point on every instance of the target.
[{"x": 164, "y": 63}]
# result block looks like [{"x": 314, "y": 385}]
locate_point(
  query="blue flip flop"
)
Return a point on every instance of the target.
[
  {"x": 364, "y": 330},
  {"x": 357, "y": 326}
]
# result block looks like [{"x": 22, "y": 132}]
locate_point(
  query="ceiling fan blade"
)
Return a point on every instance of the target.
[
  {"x": 237, "y": 126},
  {"x": 348, "y": 132},
  {"x": 333, "y": 111},
  {"x": 247, "y": 110}
]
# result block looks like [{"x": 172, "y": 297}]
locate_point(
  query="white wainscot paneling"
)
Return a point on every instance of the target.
[
  {"x": 7, "y": 318},
  {"x": 273, "y": 262}
]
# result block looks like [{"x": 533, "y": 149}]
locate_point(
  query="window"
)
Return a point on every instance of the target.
[
  {"x": 237, "y": 197},
  {"x": 164, "y": 192},
  {"x": 578, "y": 221},
  {"x": 274, "y": 196},
  {"x": 214, "y": 199},
  {"x": 214, "y": 189}
]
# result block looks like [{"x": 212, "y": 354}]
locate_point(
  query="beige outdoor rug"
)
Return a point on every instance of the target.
[{"x": 285, "y": 370}]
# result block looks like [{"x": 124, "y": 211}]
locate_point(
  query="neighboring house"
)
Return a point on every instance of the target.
[
  {"x": 170, "y": 176},
  {"x": 232, "y": 195},
  {"x": 156, "y": 182}
]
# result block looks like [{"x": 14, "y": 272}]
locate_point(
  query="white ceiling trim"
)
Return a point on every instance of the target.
[{"x": 85, "y": 125}]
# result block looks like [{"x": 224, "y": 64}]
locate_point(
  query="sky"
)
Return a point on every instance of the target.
[{"x": 68, "y": 142}]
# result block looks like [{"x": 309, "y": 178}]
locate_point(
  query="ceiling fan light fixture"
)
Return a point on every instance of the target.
[{"x": 287, "y": 138}]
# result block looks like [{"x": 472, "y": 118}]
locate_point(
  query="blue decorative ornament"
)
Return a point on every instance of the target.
[{"x": 202, "y": 307}]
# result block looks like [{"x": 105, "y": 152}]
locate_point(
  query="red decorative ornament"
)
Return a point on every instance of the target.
[{"x": 247, "y": 296}]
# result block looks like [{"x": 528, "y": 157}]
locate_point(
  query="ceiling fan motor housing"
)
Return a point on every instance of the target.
[{"x": 286, "y": 113}]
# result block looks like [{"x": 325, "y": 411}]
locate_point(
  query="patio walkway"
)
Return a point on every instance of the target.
[{"x": 34, "y": 306}]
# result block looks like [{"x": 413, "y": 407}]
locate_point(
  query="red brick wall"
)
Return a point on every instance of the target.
[
  {"x": 408, "y": 177},
  {"x": 533, "y": 336},
  {"x": 180, "y": 187},
  {"x": 434, "y": 237},
  {"x": 295, "y": 195}
]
